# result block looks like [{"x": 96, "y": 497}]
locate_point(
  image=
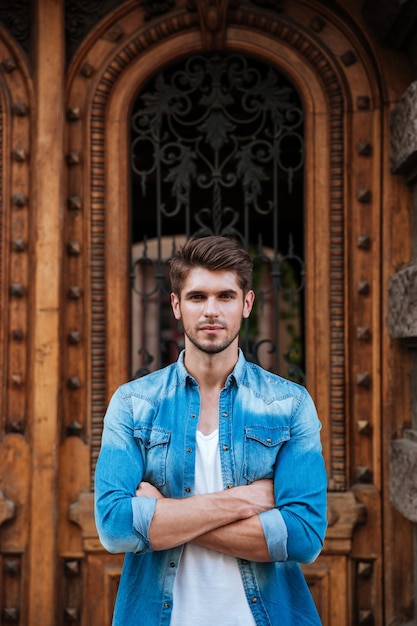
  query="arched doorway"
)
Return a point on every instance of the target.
[{"x": 341, "y": 102}]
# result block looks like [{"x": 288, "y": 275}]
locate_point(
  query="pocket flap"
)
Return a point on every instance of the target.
[
  {"x": 154, "y": 437},
  {"x": 269, "y": 437}
]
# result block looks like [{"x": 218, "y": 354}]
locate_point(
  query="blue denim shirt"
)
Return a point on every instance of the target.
[{"x": 268, "y": 428}]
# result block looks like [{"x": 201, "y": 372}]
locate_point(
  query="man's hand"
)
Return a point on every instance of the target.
[
  {"x": 146, "y": 490},
  {"x": 261, "y": 495}
]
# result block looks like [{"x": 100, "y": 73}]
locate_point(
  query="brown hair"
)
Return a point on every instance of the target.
[{"x": 212, "y": 253}]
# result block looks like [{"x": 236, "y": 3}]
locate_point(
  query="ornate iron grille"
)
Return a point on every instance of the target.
[{"x": 217, "y": 148}]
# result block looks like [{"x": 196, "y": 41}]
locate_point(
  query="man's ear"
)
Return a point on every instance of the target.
[
  {"x": 175, "y": 303},
  {"x": 248, "y": 301}
]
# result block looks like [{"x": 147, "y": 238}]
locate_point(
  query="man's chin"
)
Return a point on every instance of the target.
[
  {"x": 214, "y": 349},
  {"x": 210, "y": 347},
  {"x": 214, "y": 346}
]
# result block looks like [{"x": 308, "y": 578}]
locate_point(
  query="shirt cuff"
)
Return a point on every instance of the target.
[
  {"x": 276, "y": 534},
  {"x": 143, "y": 512}
]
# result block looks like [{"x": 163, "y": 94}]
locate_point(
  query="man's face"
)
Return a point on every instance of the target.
[{"x": 211, "y": 306}]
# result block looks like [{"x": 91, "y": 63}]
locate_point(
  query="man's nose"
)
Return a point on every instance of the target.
[{"x": 211, "y": 308}]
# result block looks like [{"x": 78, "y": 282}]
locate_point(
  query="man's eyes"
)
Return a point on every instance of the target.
[{"x": 221, "y": 296}]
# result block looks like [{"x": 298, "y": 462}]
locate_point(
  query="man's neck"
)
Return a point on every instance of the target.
[{"x": 210, "y": 370}]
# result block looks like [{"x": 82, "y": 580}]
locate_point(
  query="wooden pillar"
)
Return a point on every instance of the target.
[{"x": 47, "y": 175}]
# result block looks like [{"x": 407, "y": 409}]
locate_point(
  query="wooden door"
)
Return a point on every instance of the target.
[
  {"x": 31, "y": 115},
  {"x": 328, "y": 65},
  {"x": 341, "y": 112},
  {"x": 352, "y": 207}
]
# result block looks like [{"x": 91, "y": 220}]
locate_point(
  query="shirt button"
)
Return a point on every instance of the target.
[
  {"x": 189, "y": 449},
  {"x": 187, "y": 490},
  {"x": 225, "y": 448},
  {"x": 172, "y": 564},
  {"x": 166, "y": 605},
  {"x": 225, "y": 414},
  {"x": 229, "y": 486},
  {"x": 193, "y": 416},
  {"x": 269, "y": 440},
  {"x": 254, "y": 600}
]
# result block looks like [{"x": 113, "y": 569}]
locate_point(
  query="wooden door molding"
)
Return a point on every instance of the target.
[
  {"x": 16, "y": 100},
  {"x": 338, "y": 76},
  {"x": 16, "y": 248}
]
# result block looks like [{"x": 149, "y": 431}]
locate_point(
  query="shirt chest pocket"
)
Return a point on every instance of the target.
[
  {"x": 262, "y": 445},
  {"x": 153, "y": 443}
]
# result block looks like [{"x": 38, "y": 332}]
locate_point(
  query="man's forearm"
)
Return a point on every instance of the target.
[
  {"x": 179, "y": 521},
  {"x": 243, "y": 539}
]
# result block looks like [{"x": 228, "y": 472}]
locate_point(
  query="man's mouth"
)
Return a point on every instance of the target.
[{"x": 211, "y": 327}]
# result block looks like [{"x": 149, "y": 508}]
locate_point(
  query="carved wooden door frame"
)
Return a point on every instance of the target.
[
  {"x": 338, "y": 78},
  {"x": 16, "y": 434}
]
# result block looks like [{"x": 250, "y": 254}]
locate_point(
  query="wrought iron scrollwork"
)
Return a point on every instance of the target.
[
  {"x": 197, "y": 137},
  {"x": 214, "y": 142}
]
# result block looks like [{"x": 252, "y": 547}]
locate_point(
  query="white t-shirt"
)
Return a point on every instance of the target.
[{"x": 208, "y": 588}]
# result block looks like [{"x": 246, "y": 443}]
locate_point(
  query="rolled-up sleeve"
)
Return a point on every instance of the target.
[
  {"x": 276, "y": 534},
  {"x": 122, "y": 519},
  {"x": 295, "y": 530}
]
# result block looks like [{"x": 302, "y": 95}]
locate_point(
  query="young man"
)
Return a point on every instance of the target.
[{"x": 210, "y": 475}]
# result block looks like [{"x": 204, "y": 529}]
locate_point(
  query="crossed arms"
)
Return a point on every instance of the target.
[
  {"x": 279, "y": 520},
  {"x": 225, "y": 521}
]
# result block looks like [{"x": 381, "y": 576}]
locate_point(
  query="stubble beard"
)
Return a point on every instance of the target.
[{"x": 214, "y": 348}]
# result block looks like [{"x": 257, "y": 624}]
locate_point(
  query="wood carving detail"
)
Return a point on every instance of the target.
[
  {"x": 213, "y": 21},
  {"x": 343, "y": 515},
  {"x": 81, "y": 513},
  {"x": 7, "y": 508}
]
